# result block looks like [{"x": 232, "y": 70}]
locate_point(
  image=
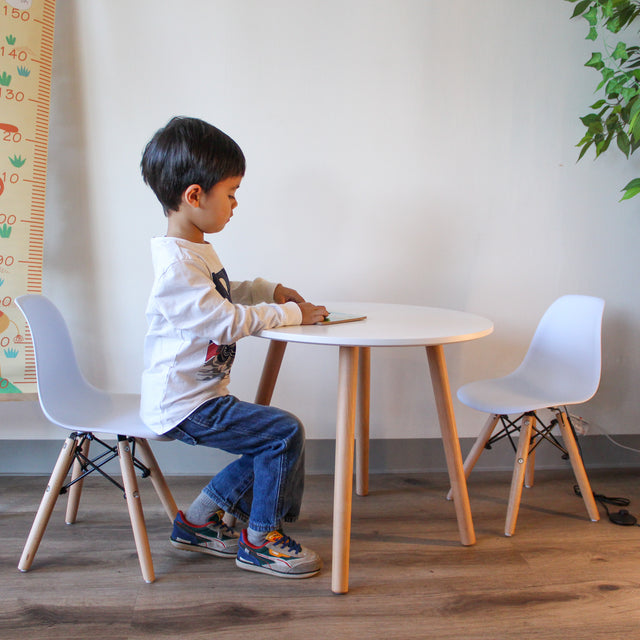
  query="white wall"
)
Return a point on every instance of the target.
[{"x": 408, "y": 151}]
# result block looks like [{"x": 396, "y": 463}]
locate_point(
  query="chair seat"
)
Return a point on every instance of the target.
[
  {"x": 107, "y": 413},
  {"x": 512, "y": 394}
]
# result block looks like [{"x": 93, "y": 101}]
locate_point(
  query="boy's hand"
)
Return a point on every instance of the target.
[
  {"x": 312, "y": 313},
  {"x": 284, "y": 294}
]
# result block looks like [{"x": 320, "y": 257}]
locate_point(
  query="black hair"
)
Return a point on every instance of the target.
[{"x": 188, "y": 151}]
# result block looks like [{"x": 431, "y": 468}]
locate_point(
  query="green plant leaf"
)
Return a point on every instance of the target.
[
  {"x": 606, "y": 8},
  {"x": 620, "y": 52},
  {"x": 592, "y": 16},
  {"x": 634, "y": 119},
  {"x": 607, "y": 73},
  {"x": 630, "y": 190},
  {"x": 603, "y": 143},
  {"x": 588, "y": 137},
  {"x": 580, "y": 7},
  {"x": 584, "y": 149},
  {"x": 612, "y": 122},
  {"x": 634, "y": 127},
  {"x": 598, "y": 104},
  {"x": 614, "y": 86},
  {"x": 595, "y": 61},
  {"x": 623, "y": 143},
  {"x": 593, "y": 123}
]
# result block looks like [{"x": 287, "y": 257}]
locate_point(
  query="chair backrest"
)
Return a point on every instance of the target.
[
  {"x": 65, "y": 396},
  {"x": 565, "y": 352}
]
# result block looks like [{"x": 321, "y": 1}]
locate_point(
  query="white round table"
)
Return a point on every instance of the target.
[{"x": 386, "y": 325}]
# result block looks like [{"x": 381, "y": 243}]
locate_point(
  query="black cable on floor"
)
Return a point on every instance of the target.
[{"x": 621, "y": 517}]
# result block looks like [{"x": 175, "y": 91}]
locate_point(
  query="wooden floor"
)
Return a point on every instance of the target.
[{"x": 559, "y": 577}]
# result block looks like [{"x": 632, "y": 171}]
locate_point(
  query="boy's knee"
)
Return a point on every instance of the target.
[{"x": 296, "y": 433}]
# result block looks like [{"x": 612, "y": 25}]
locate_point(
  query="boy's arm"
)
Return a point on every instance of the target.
[
  {"x": 253, "y": 291},
  {"x": 186, "y": 296},
  {"x": 259, "y": 290}
]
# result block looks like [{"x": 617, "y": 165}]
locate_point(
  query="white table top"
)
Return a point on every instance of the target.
[{"x": 388, "y": 325}]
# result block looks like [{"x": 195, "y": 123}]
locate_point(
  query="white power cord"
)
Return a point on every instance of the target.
[{"x": 581, "y": 427}]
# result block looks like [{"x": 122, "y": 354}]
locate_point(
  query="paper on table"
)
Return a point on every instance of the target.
[{"x": 335, "y": 317}]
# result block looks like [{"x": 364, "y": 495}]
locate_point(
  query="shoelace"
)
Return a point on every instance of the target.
[
  {"x": 224, "y": 527},
  {"x": 287, "y": 542}
]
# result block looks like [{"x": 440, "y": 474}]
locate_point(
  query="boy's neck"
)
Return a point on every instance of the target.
[{"x": 179, "y": 227}]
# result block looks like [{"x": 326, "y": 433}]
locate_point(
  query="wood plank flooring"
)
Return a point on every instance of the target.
[{"x": 559, "y": 577}]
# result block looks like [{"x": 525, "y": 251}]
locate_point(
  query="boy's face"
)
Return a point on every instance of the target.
[{"x": 212, "y": 210}]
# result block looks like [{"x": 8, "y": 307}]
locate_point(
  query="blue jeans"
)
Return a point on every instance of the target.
[{"x": 264, "y": 485}]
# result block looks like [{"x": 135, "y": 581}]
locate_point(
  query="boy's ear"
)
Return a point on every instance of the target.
[{"x": 192, "y": 195}]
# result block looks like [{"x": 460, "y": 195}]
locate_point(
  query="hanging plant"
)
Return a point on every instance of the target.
[{"x": 616, "y": 115}]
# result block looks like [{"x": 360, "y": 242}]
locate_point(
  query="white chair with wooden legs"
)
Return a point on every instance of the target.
[
  {"x": 562, "y": 367},
  {"x": 69, "y": 401}
]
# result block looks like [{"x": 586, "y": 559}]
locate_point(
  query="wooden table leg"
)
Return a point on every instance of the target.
[
  {"x": 270, "y": 372},
  {"x": 362, "y": 424},
  {"x": 343, "y": 483},
  {"x": 444, "y": 404}
]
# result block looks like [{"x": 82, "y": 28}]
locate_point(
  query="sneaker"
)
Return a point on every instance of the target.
[
  {"x": 279, "y": 556},
  {"x": 215, "y": 537}
]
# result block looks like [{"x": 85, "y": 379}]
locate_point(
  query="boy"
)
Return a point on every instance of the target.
[{"x": 195, "y": 317}]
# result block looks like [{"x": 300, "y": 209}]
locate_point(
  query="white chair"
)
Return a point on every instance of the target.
[
  {"x": 69, "y": 401},
  {"x": 561, "y": 367}
]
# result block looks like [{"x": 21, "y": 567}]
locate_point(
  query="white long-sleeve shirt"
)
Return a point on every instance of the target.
[{"x": 195, "y": 316}]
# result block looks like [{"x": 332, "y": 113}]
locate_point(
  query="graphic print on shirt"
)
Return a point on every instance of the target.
[{"x": 219, "y": 358}]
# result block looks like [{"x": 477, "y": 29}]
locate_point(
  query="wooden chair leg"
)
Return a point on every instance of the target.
[
  {"x": 578, "y": 466},
  {"x": 135, "y": 509},
  {"x": 75, "y": 490},
  {"x": 530, "y": 470},
  {"x": 362, "y": 422},
  {"x": 478, "y": 447},
  {"x": 519, "y": 471},
  {"x": 157, "y": 478},
  {"x": 48, "y": 502}
]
